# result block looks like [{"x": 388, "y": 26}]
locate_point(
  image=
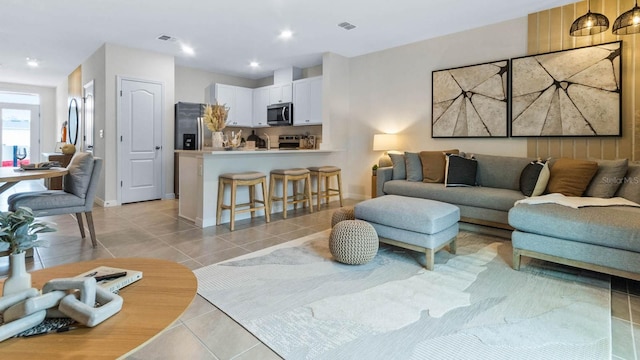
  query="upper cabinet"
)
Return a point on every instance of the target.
[
  {"x": 238, "y": 99},
  {"x": 260, "y": 103},
  {"x": 280, "y": 93},
  {"x": 307, "y": 101}
]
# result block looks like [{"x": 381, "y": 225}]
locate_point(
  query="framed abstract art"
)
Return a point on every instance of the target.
[
  {"x": 470, "y": 101},
  {"x": 575, "y": 92}
]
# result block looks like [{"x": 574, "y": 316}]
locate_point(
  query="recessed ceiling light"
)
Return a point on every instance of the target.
[
  {"x": 32, "y": 62},
  {"x": 254, "y": 64},
  {"x": 286, "y": 34},
  {"x": 187, "y": 49}
]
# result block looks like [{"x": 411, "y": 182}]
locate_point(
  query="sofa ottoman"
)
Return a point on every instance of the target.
[{"x": 412, "y": 223}]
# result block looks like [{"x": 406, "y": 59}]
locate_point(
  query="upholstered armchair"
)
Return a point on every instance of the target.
[{"x": 80, "y": 186}]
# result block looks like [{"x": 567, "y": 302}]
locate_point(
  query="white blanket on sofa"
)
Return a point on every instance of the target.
[{"x": 576, "y": 201}]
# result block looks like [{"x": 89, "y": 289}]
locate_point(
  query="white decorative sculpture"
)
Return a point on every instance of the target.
[{"x": 69, "y": 297}]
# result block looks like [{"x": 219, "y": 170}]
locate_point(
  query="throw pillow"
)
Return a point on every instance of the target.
[
  {"x": 460, "y": 171},
  {"x": 399, "y": 168},
  {"x": 607, "y": 179},
  {"x": 433, "y": 165},
  {"x": 77, "y": 180},
  {"x": 534, "y": 178},
  {"x": 570, "y": 177},
  {"x": 630, "y": 184},
  {"x": 414, "y": 167}
]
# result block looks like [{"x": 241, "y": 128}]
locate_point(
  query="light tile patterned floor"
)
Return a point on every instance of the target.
[{"x": 153, "y": 229}]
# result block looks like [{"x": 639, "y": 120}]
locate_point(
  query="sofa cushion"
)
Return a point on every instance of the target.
[
  {"x": 604, "y": 183},
  {"x": 399, "y": 168},
  {"x": 570, "y": 177},
  {"x": 77, "y": 180},
  {"x": 413, "y": 165},
  {"x": 534, "y": 178},
  {"x": 460, "y": 171},
  {"x": 630, "y": 184},
  {"x": 433, "y": 165},
  {"x": 500, "y": 171},
  {"x": 488, "y": 198},
  {"x": 607, "y": 226}
]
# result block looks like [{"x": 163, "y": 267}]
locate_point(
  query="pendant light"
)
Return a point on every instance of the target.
[
  {"x": 628, "y": 22},
  {"x": 589, "y": 24}
]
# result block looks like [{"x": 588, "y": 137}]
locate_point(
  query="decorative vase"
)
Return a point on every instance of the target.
[
  {"x": 217, "y": 140},
  {"x": 19, "y": 279}
]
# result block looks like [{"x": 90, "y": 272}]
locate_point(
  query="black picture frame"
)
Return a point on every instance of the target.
[
  {"x": 568, "y": 93},
  {"x": 471, "y": 101}
]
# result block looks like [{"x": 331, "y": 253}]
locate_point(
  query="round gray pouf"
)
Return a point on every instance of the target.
[
  {"x": 353, "y": 242},
  {"x": 344, "y": 213}
]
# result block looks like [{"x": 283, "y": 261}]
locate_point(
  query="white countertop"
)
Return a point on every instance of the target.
[{"x": 251, "y": 152}]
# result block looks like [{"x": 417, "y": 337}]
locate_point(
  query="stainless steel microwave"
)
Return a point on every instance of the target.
[{"x": 280, "y": 114}]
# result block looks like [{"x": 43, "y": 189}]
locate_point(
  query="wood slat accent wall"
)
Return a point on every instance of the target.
[{"x": 549, "y": 31}]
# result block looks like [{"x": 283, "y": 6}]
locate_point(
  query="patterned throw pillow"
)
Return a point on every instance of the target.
[
  {"x": 460, "y": 171},
  {"x": 534, "y": 178}
]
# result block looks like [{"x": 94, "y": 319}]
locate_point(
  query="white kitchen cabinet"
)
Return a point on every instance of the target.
[
  {"x": 307, "y": 101},
  {"x": 280, "y": 93},
  {"x": 260, "y": 103},
  {"x": 240, "y": 102}
]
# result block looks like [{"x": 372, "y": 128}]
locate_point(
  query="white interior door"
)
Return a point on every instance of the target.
[{"x": 140, "y": 140}]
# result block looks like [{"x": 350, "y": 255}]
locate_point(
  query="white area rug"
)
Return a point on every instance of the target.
[{"x": 303, "y": 305}]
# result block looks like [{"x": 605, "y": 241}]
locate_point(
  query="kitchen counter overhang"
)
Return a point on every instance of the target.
[{"x": 199, "y": 172}]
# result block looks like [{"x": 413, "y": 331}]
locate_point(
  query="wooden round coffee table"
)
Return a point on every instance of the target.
[{"x": 150, "y": 305}]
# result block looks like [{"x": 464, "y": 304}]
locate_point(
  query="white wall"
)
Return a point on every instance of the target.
[
  {"x": 390, "y": 91},
  {"x": 104, "y": 67},
  {"x": 49, "y": 133},
  {"x": 192, "y": 84},
  {"x": 94, "y": 69},
  {"x": 139, "y": 65}
]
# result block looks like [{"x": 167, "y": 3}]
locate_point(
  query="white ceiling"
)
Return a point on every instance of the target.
[{"x": 227, "y": 35}]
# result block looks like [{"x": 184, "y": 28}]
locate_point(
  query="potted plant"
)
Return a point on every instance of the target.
[
  {"x": 19, "y": 232},
  {"x": 374, "y": 168}
]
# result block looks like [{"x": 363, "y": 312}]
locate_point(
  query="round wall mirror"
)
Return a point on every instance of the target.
[{"x": 73, "y": 122}]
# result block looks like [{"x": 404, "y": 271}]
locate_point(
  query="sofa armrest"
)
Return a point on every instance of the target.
[{"x": 384, "y": 174}]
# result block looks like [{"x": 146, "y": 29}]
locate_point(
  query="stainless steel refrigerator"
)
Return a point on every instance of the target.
[{"x": 190, "y": 134}]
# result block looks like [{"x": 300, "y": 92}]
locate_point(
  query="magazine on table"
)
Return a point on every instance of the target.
[{"x": 113, "y": 279}]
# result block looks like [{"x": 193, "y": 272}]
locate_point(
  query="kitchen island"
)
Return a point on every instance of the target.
[{"x": 199, "y": 171}]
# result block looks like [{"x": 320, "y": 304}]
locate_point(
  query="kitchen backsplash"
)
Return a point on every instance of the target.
[{"x": 276, "y": 131}]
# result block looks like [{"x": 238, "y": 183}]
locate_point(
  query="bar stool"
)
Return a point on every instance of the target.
[
  {"x": 293, "y": 175},
  {"x": 250, "y": 179},
  {"x": 324, "y": 174}
]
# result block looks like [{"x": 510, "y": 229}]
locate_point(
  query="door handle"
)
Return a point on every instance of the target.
[{"x": 158, "y": 147}]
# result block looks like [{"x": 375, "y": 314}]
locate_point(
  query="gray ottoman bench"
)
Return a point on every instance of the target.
[{"x": 412, "y": 223}]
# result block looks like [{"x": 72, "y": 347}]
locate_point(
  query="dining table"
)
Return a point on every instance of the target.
[{"x": 9, "y": 176}]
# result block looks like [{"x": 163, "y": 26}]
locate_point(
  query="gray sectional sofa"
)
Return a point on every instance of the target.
[
  {"x": 498, "y": 179},
  {"x": 604, "y": 239}
]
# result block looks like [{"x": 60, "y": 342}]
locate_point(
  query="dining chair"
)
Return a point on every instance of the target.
[{"x": 79, "y": 190}]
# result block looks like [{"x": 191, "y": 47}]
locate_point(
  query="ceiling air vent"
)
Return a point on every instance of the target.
[
  {"x": 347, "y": 26},
  {"x": 166, "y": 38}
]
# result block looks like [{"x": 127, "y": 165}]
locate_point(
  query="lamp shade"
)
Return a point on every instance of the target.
[
  {"x": 628, "y": 22},
  {"x": 589, "y": 24},
  {"x": 384, "y": 142}
]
